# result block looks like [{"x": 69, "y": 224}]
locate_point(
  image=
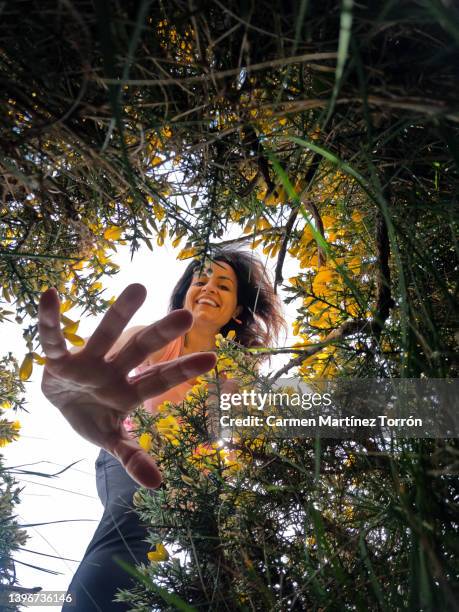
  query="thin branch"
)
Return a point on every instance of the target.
[
  {"x": 16, "y": 255},
  {"x": 384, "y": 301},
  {"x": 283, "y": 250}
]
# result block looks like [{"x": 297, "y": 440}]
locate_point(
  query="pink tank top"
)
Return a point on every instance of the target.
[{"x": 175, "y": 394}]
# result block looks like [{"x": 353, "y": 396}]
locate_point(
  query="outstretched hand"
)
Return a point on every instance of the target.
[{"x": 96, "y": 393}]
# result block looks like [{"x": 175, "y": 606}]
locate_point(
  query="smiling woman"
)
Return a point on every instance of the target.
[
  {"x": 239, "y": 281},
  {"x": 95, "y": 391}
]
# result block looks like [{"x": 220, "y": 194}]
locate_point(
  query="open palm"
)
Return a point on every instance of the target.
[{"x": 95, "y": 393}]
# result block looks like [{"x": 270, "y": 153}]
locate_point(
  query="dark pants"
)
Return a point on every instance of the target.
[{"x": 119, "y": 533}]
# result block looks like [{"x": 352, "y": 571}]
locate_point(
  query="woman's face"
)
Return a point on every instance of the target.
[{"x": 212, "y": 295}]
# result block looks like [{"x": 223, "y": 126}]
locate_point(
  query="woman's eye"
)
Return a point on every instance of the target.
[
  {"x": 224, "y": 287},
  {"x": 199, "y": 283}
]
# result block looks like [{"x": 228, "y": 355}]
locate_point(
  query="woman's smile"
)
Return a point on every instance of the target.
[{"x": 207, "y": 302}]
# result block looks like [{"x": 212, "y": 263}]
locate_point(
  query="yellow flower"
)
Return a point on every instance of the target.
[
  {"x": 158, "y": 210},
  {"x": 262, "y": 224},
  {"x": 317, "y": 307},
  {"x": 67, "y": 305},
  {"x": 261, "y": 194},
  {"x": 348, "y": 512},
  {"x": 161, "y": 236},
  {"x": 156, "y": 161},
  {"x": 79, "y": 265},
  {"x": 145, "y": 441},
  {"x": 226, "y": 363},
  {"x": 187, "y": 253},
  {"x": 164, "y": 407},
  {"x": 350, "y": 461},
  {"x": 73, "y": 338},
  {"x": 256, "y": 443},
  {"x": 113, "y": 233},
  {"x": 39, "y": 359},
  {"x": 159, "y": 554},
  {"x": 248, "y": 228},
  {"x": 70, "y": 326},
  {"x": 25, "y": 371},
  {"x": 255, "y": 243},
  {"x": 307, "y": 235},
  {"x": 232, "y": 463},
  {"x": 328, "y": 221},
  {"x": 322, "y": 280},
  {"x": 14, "y": 435},
  {"x": 353, "y": 309},
  {"x": 310, "y": 541},
  {"x": 354, "y": 264},
  {"x": 169, "y": 428}
]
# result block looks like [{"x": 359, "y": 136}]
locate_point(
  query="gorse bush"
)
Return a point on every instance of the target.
[
  {"x": 262, "y": 523},
  {"x": 328, "y": 133}
]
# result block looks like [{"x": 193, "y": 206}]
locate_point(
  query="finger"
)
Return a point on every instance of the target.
[
  {"x": 49, "y": 325},
  {"x": 152, "y": 338},
  {"x": 166, "y": 375},
  {"x": 115, "y": 320},
  {"x": 137, "y": 463}
]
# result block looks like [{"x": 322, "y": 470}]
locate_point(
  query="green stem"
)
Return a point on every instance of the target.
[{"x": 16, "y": 255}]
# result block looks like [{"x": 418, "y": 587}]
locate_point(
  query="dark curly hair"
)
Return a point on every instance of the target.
[{"x": 261, "y": 316}]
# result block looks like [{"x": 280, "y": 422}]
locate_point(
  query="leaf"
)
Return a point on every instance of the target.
[
  {"x": 187, "y": 480},
  {"x": 26, "y": 368},
  {"x": 6, "y": 294},
  {"x": 147, "y": 242}
]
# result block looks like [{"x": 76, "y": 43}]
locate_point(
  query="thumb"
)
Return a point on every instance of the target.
[{"x": 137, "y": 463}]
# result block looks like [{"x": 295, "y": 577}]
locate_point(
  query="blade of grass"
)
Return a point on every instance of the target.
[
  {"x": 317, "y": 235},
  {"x": 369, "y": 566},
  {"x": 345, "y": 29}
]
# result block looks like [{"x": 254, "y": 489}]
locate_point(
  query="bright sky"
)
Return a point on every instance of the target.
[{"x": 49, "y": 443}]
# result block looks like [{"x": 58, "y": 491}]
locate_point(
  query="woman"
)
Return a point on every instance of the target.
[{"x": 93, "y": 390}]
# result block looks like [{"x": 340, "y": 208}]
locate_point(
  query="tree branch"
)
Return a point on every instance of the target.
[{"x": 346, "y": 329}]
